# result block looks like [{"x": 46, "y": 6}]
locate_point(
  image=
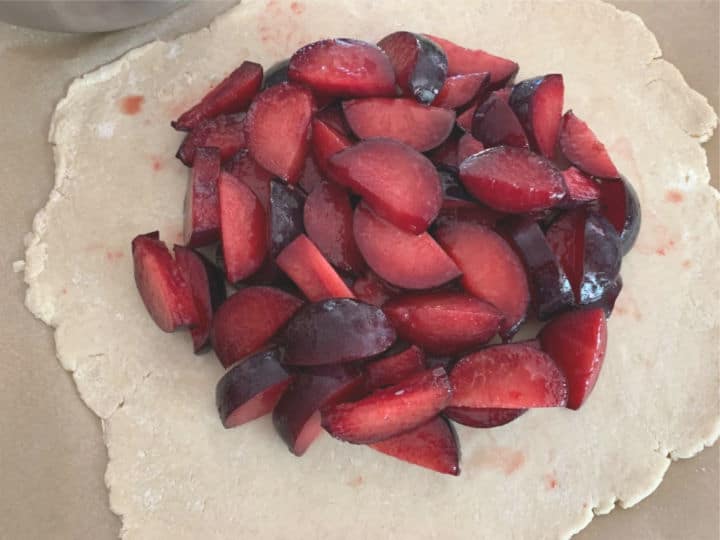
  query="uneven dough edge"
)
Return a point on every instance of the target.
[{"x": 42, "y": 306}]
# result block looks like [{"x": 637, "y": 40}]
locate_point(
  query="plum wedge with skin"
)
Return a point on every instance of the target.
[
  {"x": 277, "y": 127},
  {"x": 474, "y": 215},
  {"x": 395, "y": 368},
  {"x": 601, "y": 260},
  {"x": 343, "y": 68},
  {"x": 311, "y": 272},
  {"x": 491, "y": 270},
  {"x": 251, "y": 388},
  {"x": 538, "y": 104},
  {"x": 232, "y": 95},
  {"x": 248, "y": 320},
  {"x": 400, "y": 184},
  {"x": 433, "y": 445},
  {"x": 482, "y": 418},
  {"x": 370, "y": 289},
  {"x": 286, "y": 215},
  {"x": 581, "y": 188},
  {"x": 297, "y": 415},
  {"x": 326, "y": 141},
  {"x": 420, "y": 65},
  {"x": 202, "y": 209},
  {"x": 393, "y": 254},
  {"x": 620, "y": 205},
  {"x": 226, "y": 133},
  {"x": 443, "y": 322},
  {"x": 402, "y": 119},
  {"x": 446, "y": 155},
  {"x": 459, "y": 90},
  {"x": 513, "y": 180},
  {"x": 577, "y": 342},
  {"x": 495, "y": 124},
  {"x": 582, "y": 148},
  {"x": 566, "y": 238},
  {"x": 336, "y": 331},
  {"x": 513, "y": 376},
  {"x": 468, "y": 146},
  {"x": 242, "y": 166},
  {"x": 390, "y": 411},
  {"x": 162, "y": 285}
]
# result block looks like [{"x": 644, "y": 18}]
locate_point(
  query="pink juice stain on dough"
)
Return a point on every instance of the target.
[
  {"x": 131, "y": 105},
  {"x": 502, "y": 459}
]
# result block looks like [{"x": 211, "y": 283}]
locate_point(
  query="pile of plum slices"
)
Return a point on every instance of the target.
[{"x": 387, "y": 217}]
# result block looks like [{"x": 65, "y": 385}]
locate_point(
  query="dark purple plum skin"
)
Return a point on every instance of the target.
[
  {"x": 216, "y": 281},
  {"x": 602, "y": 258},
  {"x": 276, "y": 74},
  {"x": 495, "y": 124},
  {"x": 286, "y": 215},
  {"x": 550, "y": 287},
  {"x": 608, "y": 298},
  {"x": 336, "y": 331},
  {"x": 248, "y": 378},
  {"x": 452, "y": 189},
  {"x": 430, "y": 70},
  {"x": 633, "y": 217},
  {"x": 627, "y": 223}
]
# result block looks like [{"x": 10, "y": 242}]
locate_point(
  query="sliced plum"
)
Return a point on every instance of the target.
[
  {"x": 286, "y": 215},
  {"x": 443, "y": 322},
  {"x": 482, "y": 418},
  {"x": 550, "y": 286},
  {"x": 310, "y": 176},
  {"x": 513, "y": 376},
  {"x": 394, "y": 254},
  {"x": 370, "y": 289},
  {"x": 251, "y": 388},
  {"x": 566, "y": 238},
  {"x": 420, "y": 65},
  {"x": 395, "y": 368},
  {"x": 495, "y": 124},
  {"x": 202, "y": 210},
  {"x": 277, "y": 128},
  {"x": 297, "y": 415},
  {"x": 475, "y": 214},
  {"x": 400, "y": 184},
  {"x": 602, "y": 259},
  {"x": 336, "y": 331},
  {"x": 491, "y": 270},
  {"x": 328, "y": 219},
  {"x": 581, "y": 189},
  {"x": 326, "y": 141},
  {"x": 226, "y": 133},
  {"x": 513, "y": 180},
  {"x": 162, "y": 285},
  {"x": 577, "y": 341},
  {"x": 446, "y": 155},
  {"x": 464, "y": 120},
  {"x": 232, "y": 95},
  {"x": 433, "y": 445},
  {"x": 311, "y": 272},
  {"x": 459, "y": 90},
  {"x": 468, "y": 146},
  {"x": 243, "y": 228},
  {"x": 390, "y": 411},
  {"x": 343, "y": 68},
  {"x": 538, "y": 104},
  {"x": 462, "y": 61},
  {"x": 248, "y": 320},
  {"x": 276, "y": 74},
  {"x": 334, "y": 117},
  {"x": 242, "y": 166},
  {"x": 402, "y": 119},
  {"x": 620, "y": 205},
  {"x": 582, "y": 148},
  {"x": 454, "y": 193}
]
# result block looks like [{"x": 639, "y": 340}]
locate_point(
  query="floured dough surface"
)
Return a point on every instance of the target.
[{"x": 174, "y": 472}]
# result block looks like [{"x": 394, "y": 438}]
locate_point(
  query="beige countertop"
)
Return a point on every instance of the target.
[{"x": 52, "y": 458}]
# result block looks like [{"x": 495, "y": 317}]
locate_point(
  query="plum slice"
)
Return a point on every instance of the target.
[
  {"x": 601, "y": 261},
  {"x": 328, "y": 219},
  {"x": 242, "y": 166},
  {"x": 582, "y": 148},
  {"x": 446, "y": 155},
  {"x": 336, "y": 331},
  {"x": 475, "y": 214},
  {"x": 326, "y": 141},
  {"x": 566, "y": 238},
  {"x": 620, "y": 205},
  {"x": 420, "y": 65},
  {"x": 443, "y": 322},
  {"x": 580, "y": 188},
  {"x": 433, "y": 445},
  {"x": 513, "y": 180},
  {"x": 251, "y": 388},
  {"x": 482, "y": 418},
  {"x": 232, "y": 95},
  {"x": 202, "y": 210},
  {"x": 343, "y": 68},
  {"x": 491, "y": 270},
  {"x": 462, "y": 61},
  {"x": 297, "y": 415},
  {"x": 306, "y": 266},
  {"x": 370, "y": 289},
  {"x": 468, "y": 146},
  {"x": 276, "y": 74},
  {"x": 454, "y": 193},
  {"x": 225, "y": 132},
  {"x": 577, "y": 342},
  {"x": 208, "y": 291},
  {"x": 495, "y": 123},
  {"x": 550, "y": 287},
  {"x": 243, "y": 228},
  {"x": 402, "y": 119},
  {"x": 395, "y": 368},
  {"x": 310, "y": 176},
  {"x": 459, "y": 90},
  {"x": 286, "y": 215},
  {"x": 394, "y": 254},
  {"x": 248, "y": 320},
  {"x": 277, "y": 129},
  {"x": 400, "y": 184},
  {"x": 513, "y": 376},
  {"x": 538, "y": 104},
  {"x": 162, "y": 285},
  {"x": 390, "y": 411},
  {"x": 464, "y": 119}
]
